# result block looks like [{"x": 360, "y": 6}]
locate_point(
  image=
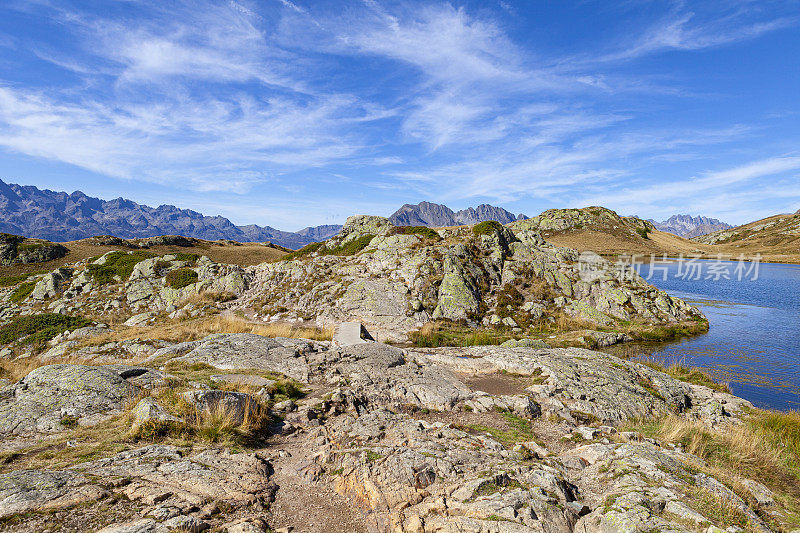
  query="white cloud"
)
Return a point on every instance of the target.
[
  {"x": 221, "y": 95},
  {"x": 210, "y": 145}
]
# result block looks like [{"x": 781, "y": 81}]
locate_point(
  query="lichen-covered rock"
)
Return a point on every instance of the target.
[
  {"x": 55, "y": 397},
  {"x": 247, "y": 351},
  {"x": 400, "y": 282},
  {"x": 458, "y": 294},
  {"x": 51, "y": 284},
  {"x": 25, "y": 491},
  {"x": 383, "y": 376}
]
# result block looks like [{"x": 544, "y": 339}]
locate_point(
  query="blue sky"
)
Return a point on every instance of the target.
[{"x": 292, "y": 113}]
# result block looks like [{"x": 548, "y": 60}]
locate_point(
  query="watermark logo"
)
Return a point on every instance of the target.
[{"x": 592, "y": 267}]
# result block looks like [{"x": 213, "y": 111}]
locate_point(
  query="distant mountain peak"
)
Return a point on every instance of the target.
[
  {"x": 439, "y": 215},
  {"x": 688, "y": 226}
]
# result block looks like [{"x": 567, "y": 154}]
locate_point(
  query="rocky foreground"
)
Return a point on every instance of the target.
[
  {"x": 131, "y": 404},
  {"x": 482, "y": 439}
]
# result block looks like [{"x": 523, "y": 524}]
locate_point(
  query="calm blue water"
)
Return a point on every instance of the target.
[{"x": 754, "y": 338}]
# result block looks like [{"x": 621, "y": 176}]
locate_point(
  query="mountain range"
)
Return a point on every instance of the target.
[
  {"x": 438, "y": 215},
  {"x": 688, "y": 226},
  {"x": 61, "y": 217}
]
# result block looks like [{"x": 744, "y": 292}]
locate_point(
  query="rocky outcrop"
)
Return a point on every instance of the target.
[
  {"x": 395, "y": 282},
  {"x": 19, "y": 250},
  {"x": 484, "y": 439},
  {"x": 247, "y": 351},
  {"x": 158, "y": 480}
]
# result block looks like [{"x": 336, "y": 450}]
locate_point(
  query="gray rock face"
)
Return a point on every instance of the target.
[
  {"x": 401, "y": 281},
  {"x": 51, "y": 284},
  {"x": 383, "y": 376},
  {"x": 247, "y": 351},
  {"x": 52, "y": 398},
  {"x": 153, "y": 474},
  {"x": 23, "y": 491},
  {"x": 577, "y": 384}
]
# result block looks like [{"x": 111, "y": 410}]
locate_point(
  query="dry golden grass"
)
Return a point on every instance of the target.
[
  {"x": 189, "y": 330},
  {"x": 16, "y": 369},
  {"x": 764, "y": 448},
  {"x": 219, "y": 423}
]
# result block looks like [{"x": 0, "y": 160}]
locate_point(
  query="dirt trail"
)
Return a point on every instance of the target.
[{"x": 304, "y": 506}]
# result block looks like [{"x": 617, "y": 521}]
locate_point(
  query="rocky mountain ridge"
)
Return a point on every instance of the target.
[
  {"x": 688, "y": 226},
  {"x": 439, "y": 215},
  {"x": 61, "y": 217}
]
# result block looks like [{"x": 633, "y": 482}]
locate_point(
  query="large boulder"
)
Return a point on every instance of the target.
[
  {"x": 55, "y": 397},
  {"x": 51, "y": 284}
]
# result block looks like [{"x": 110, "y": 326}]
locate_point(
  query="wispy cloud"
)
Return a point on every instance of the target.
[{"x": 432, "y": 99}]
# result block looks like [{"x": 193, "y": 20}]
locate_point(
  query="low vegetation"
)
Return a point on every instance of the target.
[
  {"x": 488, "y": 227},
  {"x": 444, "y": 333},
  {"x": 183, "y": 277},
  {"x": 663, "y": 333},
  {"x": 10, "y": 281},
  {"x": 117, "y": 265},
  {"x": 216, "y": 424},
  {"x": 306, "y": 250},
  {"x": 350, "y": 247},
  {"x": 23, "y": 291},
  {"x": 345, "y": 249},
  {"x": 422, "y": 231},
  {"x": 765, "y": 448},
  {"x": 512, "y": 430},
  {"x": 694, "y": 375},
  {"x": 34, "y": 329}
]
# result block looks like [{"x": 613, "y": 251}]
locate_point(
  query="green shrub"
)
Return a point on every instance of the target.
[
  {"x": 9, "y": 281},
  {"x": 308, "y": 249},
  {"x": 642, "y": 233},
  {"x": 39, "y": 328},
  {"x": 352, "y": 247},
  {"x": 487, "y": 227},
  {"x": 183, "y": 277},
  {"x": 117, "y": 264},
  {"x": 422, "y": 231},
  {"x": 29, "y": 247},
  {"x": 23, "y": 291},
  {"x": 189, "y": 258}
]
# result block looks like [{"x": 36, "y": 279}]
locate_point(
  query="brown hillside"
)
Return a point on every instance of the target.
[{"x": 776, "y": 238}]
